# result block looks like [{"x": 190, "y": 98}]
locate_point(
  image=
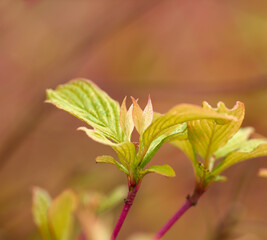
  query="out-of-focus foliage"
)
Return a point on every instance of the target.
[
  {"x": 92, "y": 212},
  {"x": 54, "y": 218}
]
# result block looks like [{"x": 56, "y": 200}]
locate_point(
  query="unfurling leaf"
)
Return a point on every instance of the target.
[
  {"x": 142, "y": 119},
  {"x": 207, "y": 135},
  {"x": 147, "y": 115},
  {"x": 251, "y": 149},
  {"x": 263, "y": 172},
  {"x": 41, "y": 204},
  {"x": 86, "y": 101},
  {"x": 61, "y": 215},
  {"x": 165, "y": 170},
  {"x": 137, "y": 115},
  {"x": 126, "y": 120}
]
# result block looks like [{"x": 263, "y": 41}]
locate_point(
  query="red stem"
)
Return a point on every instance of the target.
[
  {"x": 128, "y": 202},
  {"x": 190, "y": 201}
]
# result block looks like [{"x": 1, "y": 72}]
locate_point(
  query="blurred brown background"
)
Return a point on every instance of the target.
[{"x": 177, "y": 51}]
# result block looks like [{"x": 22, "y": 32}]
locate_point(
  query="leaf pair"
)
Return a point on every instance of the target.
[
  {"x": 54, "y": 218},
  {"x": 221, "y": 144}
]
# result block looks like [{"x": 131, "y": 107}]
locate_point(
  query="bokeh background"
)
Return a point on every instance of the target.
[{"x": 176, "y": 51}]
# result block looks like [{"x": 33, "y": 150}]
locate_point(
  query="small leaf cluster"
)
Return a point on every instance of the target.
[
  {"x": 213, "y": 147},
  {"x": 112, "y": 125}
]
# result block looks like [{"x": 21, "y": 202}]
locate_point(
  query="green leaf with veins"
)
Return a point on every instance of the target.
[
  {"x": 166, "y": 124},
  {"x": 126, "y": 151},
  {"x": 88, "y": 102},
  {"x": 61, "y": 215},
  {"x": 178, "y": 133},
  {"x": 207, "y": 136},
  {"x": 111, "y": 160},
  {"x": 251, "y": 149},
  {"x": 41, "y": 204},
  {"x": 96, "y": 136},
  {"x": 187, "y": 148},
  {"x": 165, "y": 170},
  {"x": 235, "y": 142}
]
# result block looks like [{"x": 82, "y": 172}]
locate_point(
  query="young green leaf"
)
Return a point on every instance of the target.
[
  {"x": 207, "y": 136},
  {"x": 165, "y": 170},
  {"x": 187, "y": 148},
  {"x": 41, "y": 204},
  {"x": 127, "y": 154},
  {"x": 126, "y": 119},
  {"x": 178, "y": 133},
  {"x": 167, "y": 123},
  {"x": 251, "y": 149},
  {"x": 111, "y": 160},
  {"x": 235, "y": 142},
  {"x": 86, "y": 101},
  {"x": 61, "y": 215},
  {"x": 126, "y": 151},
  {"x": 96, "y": 136},
  {"x": 105, "y": 159}
]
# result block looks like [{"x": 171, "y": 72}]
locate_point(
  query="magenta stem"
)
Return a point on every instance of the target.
[
  {"x": 190, "y": 201},
  {"x": 128, "y": 202}
]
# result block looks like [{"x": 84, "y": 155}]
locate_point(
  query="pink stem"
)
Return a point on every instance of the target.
[
  {"x": 128, "y": 202},
  {"x": 190, "y": 201}
]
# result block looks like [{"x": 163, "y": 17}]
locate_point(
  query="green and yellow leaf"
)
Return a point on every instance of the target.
[
  {"x": 178, "y": 133},
  {"x": 88, "y": 102},
  {"x": 167, "y": 123},
  {"x": 127, "y": 154},
  {"x": 165, "y": 170},
  {"x": 251, "y": 149},
  {"x": 111, "y": 160},
  {"x": 235, "y": 142},
  {"x": 207, "y": 135},
  {"x": 96, "y": 136}
]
